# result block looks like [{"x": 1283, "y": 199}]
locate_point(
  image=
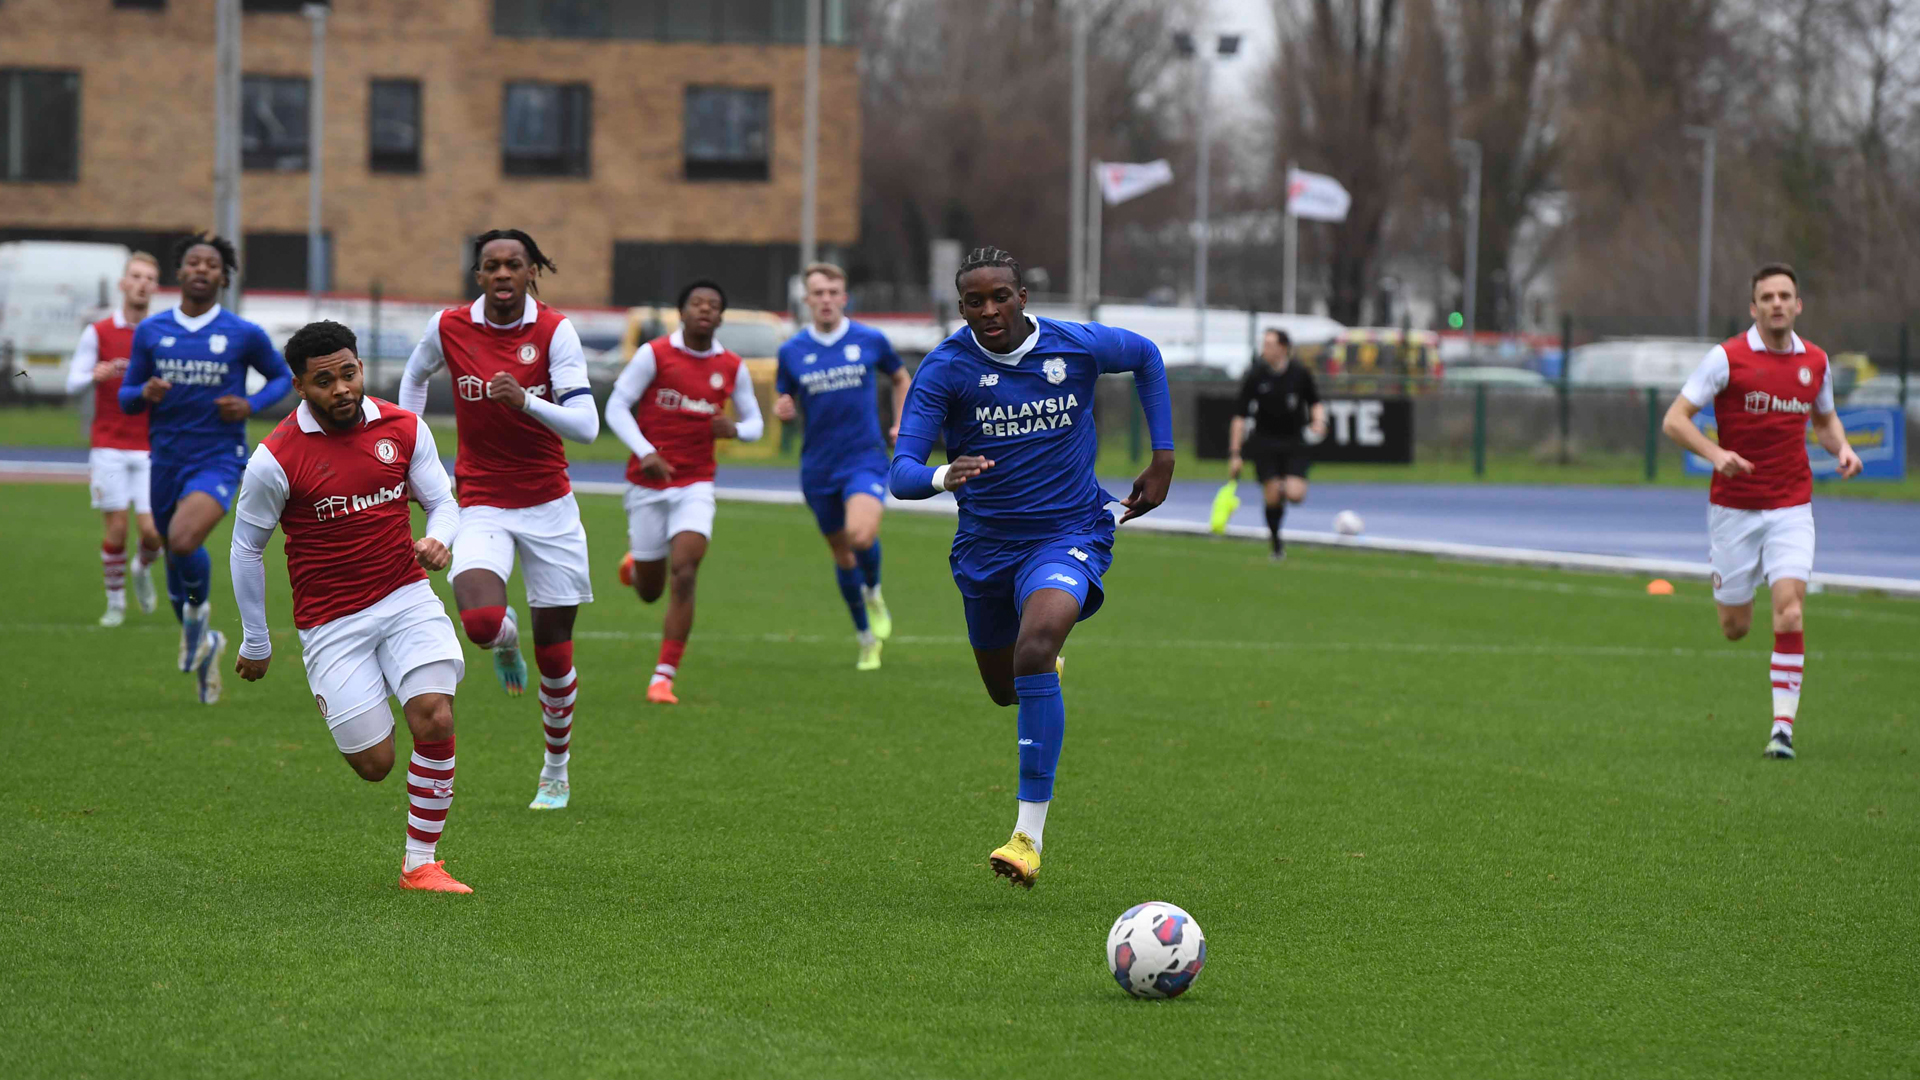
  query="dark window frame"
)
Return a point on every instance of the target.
[
  {"x": 740, "y": 165},
  {"x": 13, "y": 106},
  {"x": 279, "y": 157},
  {"x": 394, "y": 161},
  {"x": 277, "y": 7},
  {"x": 572, "y": 159},
  {"x": 140, "y": 5}
]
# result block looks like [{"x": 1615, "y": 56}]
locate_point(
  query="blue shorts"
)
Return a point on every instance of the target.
[
  {"x": 827, "y": 497},
  {"x": 997, "y": 576},
  {"x": 175, "y": 480}
]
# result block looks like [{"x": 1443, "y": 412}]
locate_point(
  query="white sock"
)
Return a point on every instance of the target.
[
  {"x": 866, "y": 637},
  {"x": 663, "y": 673},
  {"x": 1783, "y": 727},
  {"x": 418, "y": 855},
  {"x": 509, "y": 635},
  {"x": 1032, "y": 820}
]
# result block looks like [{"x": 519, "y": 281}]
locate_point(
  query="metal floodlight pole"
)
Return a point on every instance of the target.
[
  {"x": 1706, "y": 137},
  {"x": 226, "y": 133},
  {"x": 810, "y": 152},
  {"x": 1077, "y": 168},
  {"x": 1470, "y": 150},
  {"x": 1096, "y": 202},
  {"x": 316, "y": 142},
  {"x": 1202, "y": 182},
  {"x": 1290, "y": 239}
]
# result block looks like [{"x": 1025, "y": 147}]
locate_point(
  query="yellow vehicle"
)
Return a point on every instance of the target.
[
  {"x": 1370, "y": 360},
  {"x": 756, "y": 336}
]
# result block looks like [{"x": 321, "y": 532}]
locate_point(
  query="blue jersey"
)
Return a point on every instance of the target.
[
  {"x": 1031, "y": 412},
  {"x": 831, "y": 378},
  {"x": 205, "y": 358}
]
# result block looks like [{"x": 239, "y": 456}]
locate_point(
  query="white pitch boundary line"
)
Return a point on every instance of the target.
[{"x": 1479, "y": 553}]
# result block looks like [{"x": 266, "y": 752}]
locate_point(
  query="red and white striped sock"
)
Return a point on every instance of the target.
[
  {"x": 113, "y": 566},
  {"x": 429, "y": 795},
  {"x": 670, "y": 654},
  {"x": 1789, "y": 663},
  {"x": 147, "y": 557},
  {"x": 559, "y": 687}
]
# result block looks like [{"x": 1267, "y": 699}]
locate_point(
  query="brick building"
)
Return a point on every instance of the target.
[{"x": 640, "y": 141}]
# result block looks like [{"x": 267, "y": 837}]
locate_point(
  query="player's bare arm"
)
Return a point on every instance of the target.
[
  {"x": 1679, "y": 427},
  {"x": 1317, "y": 420},
  {"x": 431, "y": 554},
  {"x": 1236, "y": 435},
  {"x": 1150, "y": 487},
  {"x": 110, "y": 371},
  {"x": 725, "y": 428},
  {"x": 1833, "y": 439},
  {"x": 784, "y": 410},
  {"x": 962, "y": 469},
  {"x": 155, "y": 389},
  {"x": 233, "y": 408},
  {"x": 655, "y": 467},
  {"x": 902, "y": 382},
  {"x": 251, "y": 670}
]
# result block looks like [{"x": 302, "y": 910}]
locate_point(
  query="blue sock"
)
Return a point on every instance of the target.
[
  {"x": 1042, "y": 724},
  {"x": 196, "y": 576},
  {"x": 869, "y": 561},
  {"x": 176, "y": 592},
  {"x": 849, "y": 579}
]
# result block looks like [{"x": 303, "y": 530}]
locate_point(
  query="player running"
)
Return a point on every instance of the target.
[
  {"x": 187, "y": 369},
  {"x": 1283, "y": 401},
  {"x": 843, "y": 462},
  {"x": 335, "y": 477},
  {"x": 669, "y": 406},
  {"x": 118, "y": 469},
  {"x": 1763, "y": 385},
  {"x": 520, "y": 385},
  {"x": 1012, "y": 397}
]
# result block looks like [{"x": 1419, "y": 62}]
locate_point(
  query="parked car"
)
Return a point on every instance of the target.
[
  {"x": 1885, "y": 390},
  {"x": 1500, "y": 379},
  {"x": 1663, "y": 363}
]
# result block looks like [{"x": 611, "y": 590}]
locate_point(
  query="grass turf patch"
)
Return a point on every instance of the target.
[{"x": 1435, "y": 820}]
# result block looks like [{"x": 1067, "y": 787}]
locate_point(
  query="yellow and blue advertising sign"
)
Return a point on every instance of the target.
[{"x": 1875, "y": 433}]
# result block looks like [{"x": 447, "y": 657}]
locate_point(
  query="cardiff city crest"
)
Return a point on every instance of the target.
[
  {"x": 1055, "y": 370},
  {"x": 217, "y": 343}
]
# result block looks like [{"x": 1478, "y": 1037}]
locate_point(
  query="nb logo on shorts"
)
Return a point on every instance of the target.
[
  {"x": 1062, "y": 577},
  {"x": 1077, "y": 553},
  {"x": 989, "y": 380},
  {"x": 877, "y": 489}
]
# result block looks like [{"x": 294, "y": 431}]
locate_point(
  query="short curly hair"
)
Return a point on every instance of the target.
[
  {"x": 229, "y": 257},
  {"x": 323, "y": 338}
]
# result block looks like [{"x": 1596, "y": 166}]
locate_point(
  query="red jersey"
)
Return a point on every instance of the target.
[
  {"x": 113, "y": 429},
  {"x": 349, "y": 531},
  {"x": 506, "y": 457},
  {"x": 677, "y": 408},
  {"x": 1762, "y": 401}
]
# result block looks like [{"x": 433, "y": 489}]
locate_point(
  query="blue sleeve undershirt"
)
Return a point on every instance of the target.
[
  {"x": 1123, "y": 350},
  {"x": 139, "y": 370}
]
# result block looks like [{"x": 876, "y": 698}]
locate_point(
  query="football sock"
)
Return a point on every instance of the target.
[
  {"x": 196, "y": 576},
  {"x": 849, "y": 579},
  {"x": 559, "y": 686},
  {"x": 1789, "y": 661},
  {"x": 1032, "y": 820},
  {"x": 145, "y": 558},
  {"x": 113, "y": 566},
  {"x": 1275, "y": 515},
  {"x": 176, "y": 592},
  {"x": 491, "y": 627},
  {"x": 669, "y": 665},
  {"x": 1041, "y": 724},
  {"x": 429, "y": 795},
  {"x": 869, "y": 563}
]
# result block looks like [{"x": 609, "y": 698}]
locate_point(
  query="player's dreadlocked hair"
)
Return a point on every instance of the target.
[
  {"x": 229, "y": 258},
  {"x": 987, "y": 256},
  {"x": 323, "y": 338},
  {"x": 534, "y": 255}
]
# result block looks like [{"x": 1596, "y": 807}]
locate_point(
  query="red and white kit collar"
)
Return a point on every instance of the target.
[
  {"x": 310, "y": 424},
  {"x": 1759, "y": 344},
  {"x": 478, "y": 313},
  {"x": 679, "y": 341},
  {"x": 120, "y": 319}
]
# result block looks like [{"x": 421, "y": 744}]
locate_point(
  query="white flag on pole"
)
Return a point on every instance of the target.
[
  {"x": 1316, "y": 197},
  {"x": 1120, "y": 181}
]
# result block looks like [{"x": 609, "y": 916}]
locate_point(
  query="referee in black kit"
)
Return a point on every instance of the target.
[{"x": 1281, "y": 399}]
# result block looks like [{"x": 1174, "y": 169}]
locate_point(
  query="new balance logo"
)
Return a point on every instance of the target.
[
  {"x": 1062, "y": 577},
  {"x": 1077, "y": 553},
  {"x": 989, "y": 380}
]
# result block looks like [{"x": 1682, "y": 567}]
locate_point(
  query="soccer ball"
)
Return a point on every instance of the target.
[
  {"x": 1155, "y": 950},
  {"x": 1348, "y": 523}
]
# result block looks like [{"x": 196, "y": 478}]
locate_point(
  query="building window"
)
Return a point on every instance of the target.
[
  {"x": 752, "y": 22},
  {"x": 39, "y": 125},
  {"x": 546, "y": 129},
  {"x": 278, "y": 261},
  {"x": 276, "y": 7},
  {"x": 273, "y": 123},
  {"x": 725, "y": 133},
  {"x": 393, "y": 126},
  {"x": 142, "y": 5},
  {"x": 755, "y": 275}
]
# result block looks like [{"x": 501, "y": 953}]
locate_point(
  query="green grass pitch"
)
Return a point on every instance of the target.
[{"x": 1437, "y": 820}]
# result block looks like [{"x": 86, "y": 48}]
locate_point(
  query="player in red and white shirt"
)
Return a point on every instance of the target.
[
  {"x": 1763, "y": 386},
  {"x": 335, "y": 477},
  {"x": 668, "y": 406},
  {"x": 117, "y": 465},
  {"x": 520, "y": 385}
]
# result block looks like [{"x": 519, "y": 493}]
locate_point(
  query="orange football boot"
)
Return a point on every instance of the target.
[
  {"x": 661, "y": 693},
  {"x": 626, "y": 570},
  {"x": 431, "y": 877}
]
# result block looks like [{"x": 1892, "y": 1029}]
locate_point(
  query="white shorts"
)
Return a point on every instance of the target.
[
  {"x": 655, "y": 517},
  {"x": 357, "y": 661},
  {"x": 549, "y": 539},
  {"x": 119, "y": 478},
  {"x": 1754, "y": 545}
]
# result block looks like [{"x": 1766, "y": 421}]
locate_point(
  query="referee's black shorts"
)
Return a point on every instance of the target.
[{"x": 1272, "y": 458}]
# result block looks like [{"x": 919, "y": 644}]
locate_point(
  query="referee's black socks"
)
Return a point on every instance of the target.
[{"x": 1274, "y": 516}]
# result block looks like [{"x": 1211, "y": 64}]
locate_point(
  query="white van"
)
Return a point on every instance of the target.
[
  {"x": 1663, "y": 363},
  {"x": 49, "y": 292}
]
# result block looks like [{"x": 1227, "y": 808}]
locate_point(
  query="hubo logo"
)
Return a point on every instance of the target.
[
  {"x": 470, "y": 387},
  {"x": 529, "y": 353},
  {"x": 675, "y": 401},
  {"x": 1055, "y": 370},
  {"x": 1759, "y": 401},
  {"x": 334, "y": 506},
  {"x": 217, "y": 343}
]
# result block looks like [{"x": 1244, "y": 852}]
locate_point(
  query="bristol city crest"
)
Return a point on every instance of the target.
[
  {"x": 529, "y": 353},
  {"x": 1806, "y": 376},
  {"x": 716, "y": 381},
  {"x": 386, "y": 451},
  {"x": 322, "y": 703},
  {"x": 1055, "y": 370}
]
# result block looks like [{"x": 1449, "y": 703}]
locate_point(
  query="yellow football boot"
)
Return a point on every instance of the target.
[{"x": 1017, "y": 860}]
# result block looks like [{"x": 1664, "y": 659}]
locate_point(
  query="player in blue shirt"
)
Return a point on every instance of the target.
[
  {"x": 826, "y": 372},
  {"x": 188, "y": 370},
  {"x": 1012, "y": 397}
]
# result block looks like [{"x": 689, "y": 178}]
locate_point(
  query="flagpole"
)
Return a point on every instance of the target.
[
  {"x": 1291, "y": 238},
  {"x": 1096, "y": 198}
]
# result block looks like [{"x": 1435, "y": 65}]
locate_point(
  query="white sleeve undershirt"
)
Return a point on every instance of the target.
[
  {"x": 750, "y": 424},
  {"x": 431, "y": 488},
  {"x": 1823, "y": 402},
  {"x": 263, "y": 496},
  {"x": 627, "y": 389},
  {"x": 1708, "y": 379},
  {"x": 85, "y": 356},
  {"x": 421, "y": 366}
]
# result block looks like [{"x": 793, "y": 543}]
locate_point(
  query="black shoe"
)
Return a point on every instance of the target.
[
  {"x": 1279, "y": 554},
  {"x": 1780, "y": 746}
]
